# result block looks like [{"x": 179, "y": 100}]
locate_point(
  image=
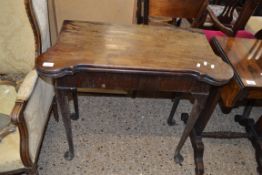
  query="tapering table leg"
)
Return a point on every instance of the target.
[
  {"x": 198, "y": 106},
  {"x": 55, "y": 110},
  {"x": 170, "y": 120},
  {"x": 62, "y": 100}
]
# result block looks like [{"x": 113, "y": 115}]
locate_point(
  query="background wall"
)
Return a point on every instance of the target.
[{"x": 110, "y": 11}]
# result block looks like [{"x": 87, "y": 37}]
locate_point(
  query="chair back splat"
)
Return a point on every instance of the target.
[
  {"x": 190, "y": 9},
  {"x": 225, "y": 21}
]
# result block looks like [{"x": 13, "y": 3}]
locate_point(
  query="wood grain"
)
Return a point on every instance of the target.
[
  {"x": 132, "y": 48},
  {"x": 175, "y": 8},
  {"x": 245, "y": 55}
]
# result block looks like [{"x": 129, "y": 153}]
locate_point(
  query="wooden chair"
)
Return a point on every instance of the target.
[
  {"x": 25, "y": 99},
  {"x": 233, "y": 17},
  {"x": 190, "y": 9}
]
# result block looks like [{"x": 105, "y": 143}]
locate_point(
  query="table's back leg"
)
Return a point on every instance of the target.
[
  {"x": 75, "y": 115},
  {"x": 55, "y": 110},
  {"x": 170, "y": 120}
]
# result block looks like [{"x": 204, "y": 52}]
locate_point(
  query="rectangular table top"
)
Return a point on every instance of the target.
[
  {"x": 133, "y": 48},
  {"x": 245, "y": 56}
]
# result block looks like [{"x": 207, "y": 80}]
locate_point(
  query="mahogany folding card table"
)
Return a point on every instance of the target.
[{"x": 132, "y": 58}]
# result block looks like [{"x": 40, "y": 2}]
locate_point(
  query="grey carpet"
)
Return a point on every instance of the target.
[{"x": 125, "y": 136}]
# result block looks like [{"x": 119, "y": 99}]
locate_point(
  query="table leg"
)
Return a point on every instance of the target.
[
  {"x": 198, "y": 106},
  {"x": 258, "y": 146},
  {"x": 54, "y": 109},
  {"x": 62, "y": 100},
  {"x": 75, "y": 115},
  {"x": 200, "y": 125},
  {"x": 170, "y": 120},
  {"x": 258, "y": 126}
]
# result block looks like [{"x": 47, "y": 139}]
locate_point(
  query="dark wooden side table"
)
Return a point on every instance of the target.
[
  {"x": 245, "y": 57},
  {"x": 132, "y": 58}
]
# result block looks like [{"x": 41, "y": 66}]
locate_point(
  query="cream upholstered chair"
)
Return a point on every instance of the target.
[{"x": 25, "y": 98}]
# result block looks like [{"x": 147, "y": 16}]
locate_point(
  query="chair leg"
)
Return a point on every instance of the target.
[
  {"x": 242, "y": 119},
  {"x": 254, "y": 132},
  {"x": 170, "y": 120}
]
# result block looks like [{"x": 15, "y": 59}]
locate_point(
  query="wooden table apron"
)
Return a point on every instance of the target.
[
  {"x": 115, "y": 57},
  {"x": 130, "y": 82}
]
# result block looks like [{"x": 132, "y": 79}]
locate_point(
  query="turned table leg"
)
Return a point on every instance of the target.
[
  {"x": 198, "y": 106},
  {"x": 62, "y": 100}
]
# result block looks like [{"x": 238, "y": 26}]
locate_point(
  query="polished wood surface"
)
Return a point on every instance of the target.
[
  {"x": 132, "y": 59},
  {"x": 175, "y": 8},
  {"x": 87, "y": 45},
  {"x": 245, "y": 56},
  {"x": 112, "y": 11}
]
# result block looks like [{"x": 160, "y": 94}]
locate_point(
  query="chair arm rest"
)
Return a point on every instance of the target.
[
  {"x": 27, "y": 86},
  {"x": 218, "y": 24},
  {"x": 17, "y": 118}
]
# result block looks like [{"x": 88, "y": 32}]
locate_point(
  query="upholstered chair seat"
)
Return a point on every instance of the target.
[{"x": 25, "y": 98}]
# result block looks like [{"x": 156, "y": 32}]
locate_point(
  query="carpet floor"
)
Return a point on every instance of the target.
[{"x": 125, "y": 136}]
